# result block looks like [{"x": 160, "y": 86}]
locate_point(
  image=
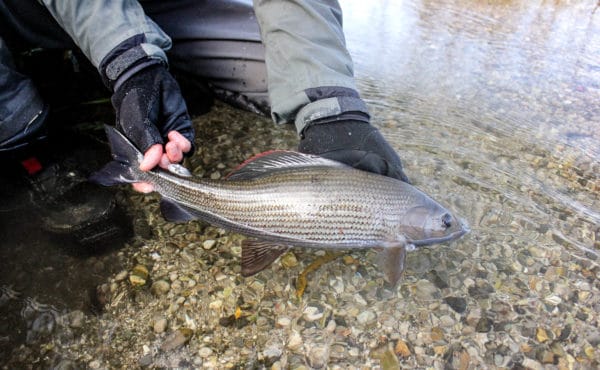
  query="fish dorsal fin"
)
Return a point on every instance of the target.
[
  {"x": 278, "y": 160},
  {"x": 257, "y": 255}
]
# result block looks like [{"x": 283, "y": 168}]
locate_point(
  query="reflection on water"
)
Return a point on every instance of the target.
[{"x": 493, "y": 106}]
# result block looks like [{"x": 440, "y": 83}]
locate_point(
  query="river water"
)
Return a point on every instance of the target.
[{"x": 494, "y": 108}]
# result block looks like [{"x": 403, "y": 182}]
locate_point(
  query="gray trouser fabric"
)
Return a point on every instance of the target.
[
  {"x": 305, "y": 51},
  {"x": 309, "y": 70}
]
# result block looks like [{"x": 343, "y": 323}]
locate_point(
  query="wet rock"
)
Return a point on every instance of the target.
[
  {"x": 289, "y": 260},
  {"x": 176, "y": 339},
  {"x": 76, "y": 319},
  {"x": 318, "y": 356},
  {"x": 458, "y": 304},
  {"x": 283, "y": 322},
  {"x": 401, "y": 348},
  {"x": 312, "y": 313},
  {"x": 160, "y": 287},
  {"x": 209, "y": 244},
  {"x": 386, "y": 356},
  {"x": 426, "y": 291},
  {"x": 541, "y": 335},
  {"x": 481, "y": 290},
  {"x": 272, "y": 352},
  {"x": 565, "y": 332},
  {"x": 366, "y": 317},
  {"x": 121, "y": 275},
  {"x": 138, "y": 275},
  {"x": 294, "y": 341},
  {"x": 145, "y": 360},
  {"x": 484, "y": 325},
  {"x": 546, "y": 357},
  {"x": 160, "y": 325},
  {"x": 437, "y": 334},
  {"x": 437, "y": 280},
  {"x": 204, "y": 352}
]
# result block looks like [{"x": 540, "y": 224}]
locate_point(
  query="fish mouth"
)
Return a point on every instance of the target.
[{"x": 459, "y": 232}]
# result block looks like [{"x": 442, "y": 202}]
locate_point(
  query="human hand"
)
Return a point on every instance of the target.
[
  {"x": 355, "y": 143},
  {"x": 150, "y": 110},
  {"x": 157, "y": 155}
]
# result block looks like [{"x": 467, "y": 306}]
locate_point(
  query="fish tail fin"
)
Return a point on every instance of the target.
[{"x": 125, "y": 163}]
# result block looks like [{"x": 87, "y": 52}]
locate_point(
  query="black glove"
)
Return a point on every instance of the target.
[
  {"x": 355, "y": 143},
  {"x": 146, "y": 98}
]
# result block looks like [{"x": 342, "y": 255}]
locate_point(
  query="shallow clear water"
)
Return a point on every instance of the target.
[{"x": 494, "y": 108}]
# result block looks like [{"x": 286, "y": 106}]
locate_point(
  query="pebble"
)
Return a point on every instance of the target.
[
  {"x": 121, "y": 275},
  {"x": 484, "y": 325},
  {"x": 401, "y": 348},
  {"x": 138, "y": 275},
  {"x": 481, "y": 290},
  {"x": 176, "y": 339},
  {"x": 76, "y": 319},
  {"x": 216, "y": 304},
  {"x": 204, "y": 352},
  {"x": 160, "y": 325},
  {"x": 145, "y": 360},
  {"x": 312, "y": 313},
  {"x": 283, "y": 322},
  {"x": 95, "y": 364},
  {"x": 458, "y": 304},
  {"x": 541, "y": 335},
  {"x": 208, "y": 244},
  {"x": 294, "y": 341},
  {"x": 318, "y": 356},
  {"x": 160, "y": 287},
  {"x": 446, "y": 321},
  {"x": 366, "y": 317},
  {"x": 289, "y": 260},
  {"x": 426, "y": 291}
]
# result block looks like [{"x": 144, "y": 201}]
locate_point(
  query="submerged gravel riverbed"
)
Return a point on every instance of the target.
[
  {"x": 180, "y": 300},
  {"x": 494, "y": 110}
]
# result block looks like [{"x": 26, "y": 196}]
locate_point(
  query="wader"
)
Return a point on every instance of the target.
[{"x": 300, "y": 72}]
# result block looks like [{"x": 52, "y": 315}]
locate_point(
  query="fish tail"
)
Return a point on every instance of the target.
[{"x": 124, "y": 166}]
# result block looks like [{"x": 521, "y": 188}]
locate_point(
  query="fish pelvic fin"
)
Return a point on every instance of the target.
[
  {"x": 392, "y": 261},
  {"x": 126, "y": 159},
  {"x": 257, "y": 255}
]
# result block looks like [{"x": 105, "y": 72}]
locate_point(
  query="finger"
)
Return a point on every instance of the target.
[
  {"x": 152, "y": 157},
  {"x": 164, "y": 161},
  {"x": 143, "y": 187},
  {"x": 184, "y": 144},
  {"x": 174, "y": 152}
]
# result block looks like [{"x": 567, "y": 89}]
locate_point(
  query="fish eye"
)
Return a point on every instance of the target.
[{"x": 447, "y": 220}]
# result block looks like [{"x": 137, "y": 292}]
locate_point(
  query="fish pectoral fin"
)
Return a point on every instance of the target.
[
  {"x": 175, "y": 212},
  {"x": 391, "y": 260},
  {"x": 257, "y": 255}
]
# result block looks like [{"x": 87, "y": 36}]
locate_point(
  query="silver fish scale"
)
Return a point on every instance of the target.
[{"x": 317, "y": 206}]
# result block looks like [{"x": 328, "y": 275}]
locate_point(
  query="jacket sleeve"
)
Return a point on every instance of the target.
[{"x": 98, "y": 26}]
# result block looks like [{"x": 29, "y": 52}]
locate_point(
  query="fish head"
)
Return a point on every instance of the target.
[{"x": 431, "y": 223}]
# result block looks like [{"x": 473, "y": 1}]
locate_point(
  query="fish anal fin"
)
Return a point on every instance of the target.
[
  {"x": 257, "y": 255},
  {"x": 175, "y": 212},
  {"x": 392, "y": 259}
]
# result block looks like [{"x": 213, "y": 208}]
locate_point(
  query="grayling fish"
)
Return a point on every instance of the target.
[{"x": 282, "y": 199}]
